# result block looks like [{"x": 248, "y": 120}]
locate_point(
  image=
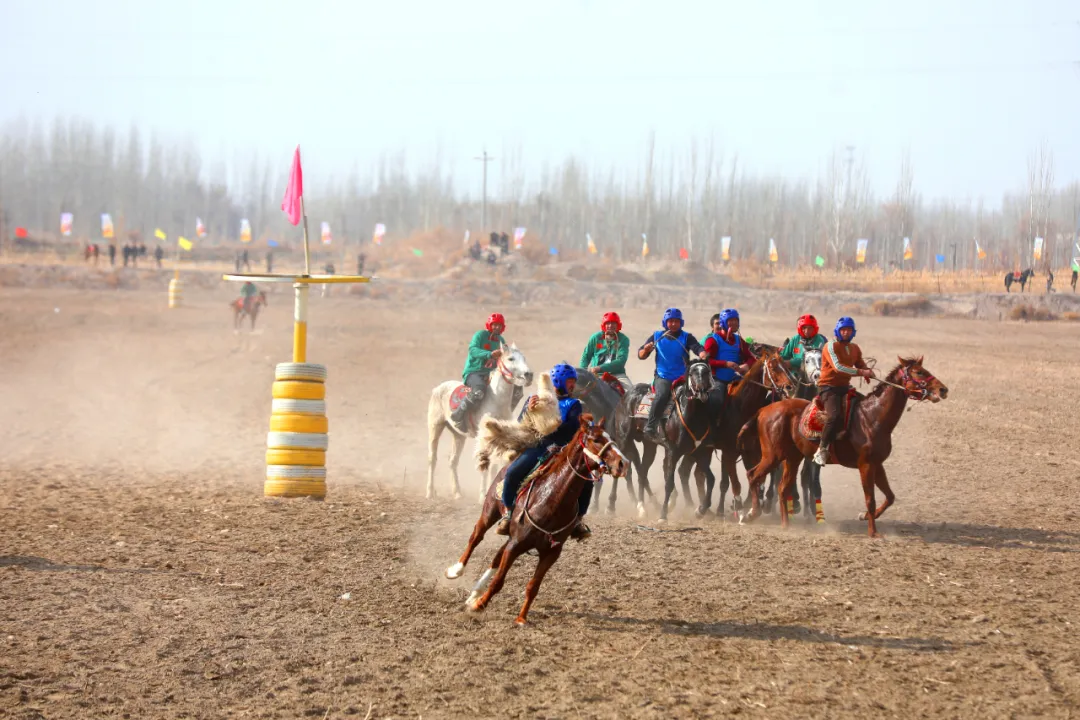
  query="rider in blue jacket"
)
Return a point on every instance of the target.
[
  {"x": 564, "y": 378},
  {"x": 673, "y": 346}
]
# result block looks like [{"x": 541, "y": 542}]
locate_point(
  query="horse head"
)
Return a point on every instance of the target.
[
  {"x": 602, "y": 452},
  {"x": 699, "y": 380},
  {"x": 514, "y": 367},
  {"x": 775, "y": 375},
  {"x": 919, "y": 383},
  {"x": 811, "y": 366}
]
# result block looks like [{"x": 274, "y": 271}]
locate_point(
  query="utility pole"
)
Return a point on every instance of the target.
[{"x": 485, "y": 158}]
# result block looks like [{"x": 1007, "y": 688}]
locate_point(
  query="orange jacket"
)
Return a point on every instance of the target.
[{"x": 840, "y": 363}]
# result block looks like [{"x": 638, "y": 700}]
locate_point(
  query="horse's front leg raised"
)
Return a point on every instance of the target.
[
  {"x": 509, "y": 554},
  {"x": 488, "y": 517},
  {"x": 546, "y": 561}
]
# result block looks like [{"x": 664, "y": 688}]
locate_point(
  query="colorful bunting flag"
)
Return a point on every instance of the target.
[
  {"x": 519, "y": 237},
  {"x": 245, "y": 230},
  {"x": 860, "y": 250},
  {"x": 160, "y": 234},
  {"x": 908, "y": 253},
  {"x": 327, "y": 238},
  {"x": 592, "y": 245},
  {"x": 106, "y": 226},
  {"x": 377, "y": 236},
  {"x": 644, "y": 245},
  {"x": 66, "y": 220},
  {"x": 773, "y": 255},
  {"x": 1037, "y": 253},
  {"x": 819, "y": 261},
  {"x": 184, "y": 243},
  {"x": 725, "y": 248},
  {"x": 200, "y": 229}
]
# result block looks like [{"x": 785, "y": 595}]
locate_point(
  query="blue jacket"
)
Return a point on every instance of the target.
[
  {"x": 731, "y": 353},
  {"x": 570, "y": 410},
  {"x": 673, "y": 352}
]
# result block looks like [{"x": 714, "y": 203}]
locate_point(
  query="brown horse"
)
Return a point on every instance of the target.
[
  {"x": 865, "y": 445},
  {"x": 545, "y": 512},
  {"x": 248, "y": 306}
]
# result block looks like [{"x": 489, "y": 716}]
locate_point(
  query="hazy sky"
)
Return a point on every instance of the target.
[{"x": 969, "y": 87}]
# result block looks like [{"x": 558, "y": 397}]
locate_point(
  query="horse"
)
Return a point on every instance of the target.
[
  {"x": 248, "y": 306},
  {"x": 684, "y": 429},
  {"x": 1021, "y": 278},
  {"x": 599, "y": 399},
  {"x": 548, "y": 500},
  {"x": 866, "y": 443},
  {"x": 513, "y": 372},
  {"x": 767, "y": 378}
]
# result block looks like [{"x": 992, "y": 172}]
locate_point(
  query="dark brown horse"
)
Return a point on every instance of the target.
[
  {"x": 545, "y": 513},
  {"x": 865, "y": 444},
  {"x": 767, "y": 380},
  {"x": 248, "y": 306}
]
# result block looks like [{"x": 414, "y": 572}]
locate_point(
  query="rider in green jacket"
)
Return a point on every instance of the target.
[
  {"x": 607, "y": 350},
  {"x": 807, "y": 338}
]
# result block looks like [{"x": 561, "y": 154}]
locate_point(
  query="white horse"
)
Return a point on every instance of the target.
[
  {"x": 511, "y": 370},
  {"x": 811, "y": 366}
]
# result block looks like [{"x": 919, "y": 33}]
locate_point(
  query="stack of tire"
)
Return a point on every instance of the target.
[{"x": 297, "y": 441}]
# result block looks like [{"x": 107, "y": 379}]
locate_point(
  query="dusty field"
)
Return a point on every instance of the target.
[{"x": 143, "y": 575}]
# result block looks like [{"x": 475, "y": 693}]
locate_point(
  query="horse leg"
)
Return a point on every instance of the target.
[
  {"x": 455, "y": 457},
  {"x": 509, "y": 554},
  {"x": 813, "y": 472},
  {"x": 704, "y": 468},
  {"x": 435, "y": 429},
  {"x": 669, "y": 483},
  {"x": 488, "y": 517},
  {"x": 699, "y": 480},
  {"x": 866, "y": 474},
  {"x": 631, "y": 453},
  {"x": 881, "y": 480},
  {"x": 648, "y": 456},
  {"x": 725, "y": 483},
  {"x": 731, "y": 469},
  {"x": 594, "y": 505},
  {"x": 546, "y": 561},
  {"x": 787, "y": 481},
  {"x": 756, "y": 478},
  {"x": 684, "y": 478},
  {"x": 484, "y": 580}
]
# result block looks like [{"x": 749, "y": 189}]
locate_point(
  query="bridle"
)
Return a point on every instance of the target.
[{"x": 922, "y": 387}]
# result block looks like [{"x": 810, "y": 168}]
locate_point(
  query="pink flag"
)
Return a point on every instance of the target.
[{"x": 295, "y": 188}]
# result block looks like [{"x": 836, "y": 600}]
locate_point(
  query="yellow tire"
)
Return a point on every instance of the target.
[
  {"x": 299, "y": 423},
  {"x": 289, "y": 488},
  {"x": 282, "y": 456},
  {"x": 299, "y": 390}
]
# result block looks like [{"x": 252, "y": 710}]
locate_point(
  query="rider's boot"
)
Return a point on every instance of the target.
[
  {"x": 581, "y": 531},
  {"x": 652, "y": 433},
  {"x": 503, "y": 528},
  {"x": 459, "y": 418},
  {"x": 821, "y": 457}
]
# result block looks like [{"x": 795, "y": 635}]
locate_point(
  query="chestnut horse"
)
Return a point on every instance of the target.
[
  {"x": 545, "y": 512},
  {"x": 247, "y": 306},
  {"x": 865, "y": 445}
]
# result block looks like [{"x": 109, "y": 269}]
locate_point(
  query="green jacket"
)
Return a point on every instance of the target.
[
  {"x": 609, "y": 356},
  {"x": 794, "y": 347},
  {"x": 480, "y": 349}
]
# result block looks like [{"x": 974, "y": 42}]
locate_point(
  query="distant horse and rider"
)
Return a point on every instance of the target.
[
  {"x": 1018, "y": 277},
  {"x": 247, "y": 305}
]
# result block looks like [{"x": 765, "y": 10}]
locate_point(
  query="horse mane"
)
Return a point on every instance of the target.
[{"x": 737, "y": 392}]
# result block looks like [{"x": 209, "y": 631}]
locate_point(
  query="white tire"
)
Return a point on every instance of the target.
[
  {"x": 300, "y": 441},
  {"x": 311, "y": 372},
  {"x": 295, "y": 472},
  {"x": 285, "y": 406}
]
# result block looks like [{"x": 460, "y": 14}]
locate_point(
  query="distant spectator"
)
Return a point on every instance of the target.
[
  {"x": 504, "y": 244},
  {"x": 269, "y": 261},
  {"x": 360, "y": 264},
  {"x": 158, "y": 255},
  {"x": 245, "y": 261}
]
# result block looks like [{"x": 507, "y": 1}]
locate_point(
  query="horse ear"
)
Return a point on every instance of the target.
[
  {"x": 919, "y": 360},
  {"x": 903, "y": 361},
  {"x": 601, "y": 423}
]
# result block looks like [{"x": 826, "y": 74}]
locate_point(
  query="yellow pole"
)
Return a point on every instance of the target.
[{"x": 299, "y": 346}]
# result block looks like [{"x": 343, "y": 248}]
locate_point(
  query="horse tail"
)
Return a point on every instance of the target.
[{"x": 747, "y": 435}]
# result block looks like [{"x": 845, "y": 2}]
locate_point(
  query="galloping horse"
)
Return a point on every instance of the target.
[
  {"x": 248, "y": 306},
  {"x": 1018, "y": 277},
  {"x": 545, "y": 512},
  {"x": 684, "y": 430},
  {"x": 512, "y": 371},
  {"x": 768, "y": 378},
  {"x": 865, "y": 445}
]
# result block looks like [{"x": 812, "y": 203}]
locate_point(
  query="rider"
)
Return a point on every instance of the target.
[
  {"x": 673, "y": 346},
  {"x": 484, "y": 353},
  {"x": 564, "y": 378},
  {"x": 728, "y": 354},
  {"x": 608, "y": 350},
  {"x": 841, "y": 361},
  {"x": 248, "y": 291},
  {"x": 806, "y": 338}
]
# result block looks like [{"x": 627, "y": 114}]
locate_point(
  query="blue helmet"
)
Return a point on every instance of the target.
[
  {"x": 560, "y": 374},
  {"x": 671, "y": 314},
  {"x": 729, "y": 314},
  {"x": 844, "y": 322}
]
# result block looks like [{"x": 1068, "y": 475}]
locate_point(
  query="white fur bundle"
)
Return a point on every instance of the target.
[{"x": 507, "y": 438}]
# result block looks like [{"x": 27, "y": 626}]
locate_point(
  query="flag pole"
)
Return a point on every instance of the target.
[{"x": 307, "y": 252}]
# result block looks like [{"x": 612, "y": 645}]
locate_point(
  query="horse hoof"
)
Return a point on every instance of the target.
[
  {"x": 520, "y": 622},
  {"x": 454, "y": 571},
  {"x": 862, "y": 517},
  {"x": 610, "y": 510},
  {"x": 641, "y": 510},
  {"x": 701, "y": 512},
  {"x": 661, "y": 521},
  {"x": 429, "y": 495},
  {"x": 473, "y": 604}
]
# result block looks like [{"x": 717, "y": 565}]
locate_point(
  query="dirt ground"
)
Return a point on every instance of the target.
[{"x": 142, "y": 573}]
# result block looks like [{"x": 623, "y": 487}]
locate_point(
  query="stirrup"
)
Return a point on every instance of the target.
[
  {"x": 503, "y": 528},
  {"x": 821, "y": 457}
]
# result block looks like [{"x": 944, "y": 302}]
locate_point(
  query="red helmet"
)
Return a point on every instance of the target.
[
  {"x": 611, "y": 317},
  {"x": 495, "y": 318},
  {"x": 807, "y": 321}
]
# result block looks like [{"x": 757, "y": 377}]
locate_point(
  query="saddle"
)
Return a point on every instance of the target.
[
  {"x": 812, "y": 420},
  {"x": 645, "y": 405},
  {"x": 541, "y": 467}
]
